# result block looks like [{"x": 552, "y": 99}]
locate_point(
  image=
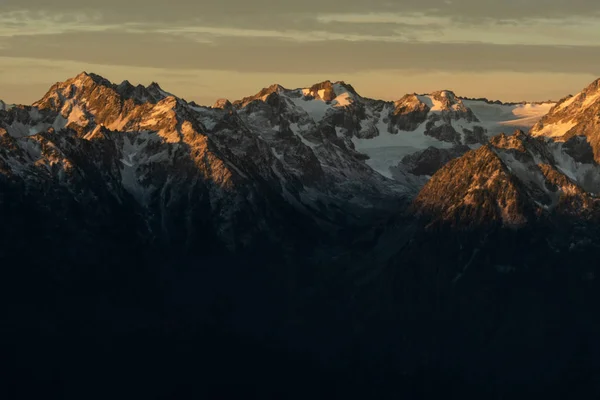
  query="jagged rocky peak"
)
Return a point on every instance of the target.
[
  {"x": 85, "y": 78},
  {"x": 445, "y": 94},
  {"x": 514, "y": 141},
  {"x": 512, "y": 180},
  {"x": 88, "y": 100},
  {"x": 410, "y": 103},
  {"x": 447, "y": 100},
  {"x": 474, "y": 190},
  {"x": 586, "y": 98},
  {"x": 329, "y": 91},
  {"x": 443, "y": 102},
  {"x": 274, "y": 88},
  {"x": 152, "y": 93},
  {"x": 267, "y": 94},
  {"x": 126, "y": 89},
  {"x": 578, "y": 115},
  {"x": 87, "y": 87},
  {"x": 154, "y": 86},
  {"x": 223, "y": 104},
  {"x": 409, "y": 112},
  {"x": 72, "y": 87},
  {"x": 593, "y": 87}
]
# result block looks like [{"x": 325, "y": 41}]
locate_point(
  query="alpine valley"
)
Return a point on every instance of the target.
[{"x": 300, "y": 242}]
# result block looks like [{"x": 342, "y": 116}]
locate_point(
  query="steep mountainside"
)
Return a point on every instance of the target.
[
  {"x": 144, "y": 148},
  {"x": 156, "y": 150},
  {"x": 318, "y": 150},
  {"x": 577, "y": 115},
  {"x": 512, "y": 181}
]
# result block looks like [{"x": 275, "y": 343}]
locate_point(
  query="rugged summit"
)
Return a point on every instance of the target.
[
  {"x": 92, "y": 141},
  {"x": 323, "y": 155},
  {"x": 577, "y": 115},
  {"x": 512, "y": 181}
]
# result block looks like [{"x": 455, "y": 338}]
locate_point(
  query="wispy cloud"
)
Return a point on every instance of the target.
[
  {"x": 351, "y": 27},
  {"x": 566, "y": 31},
  {"x": 29, "y": 23},
  {"x": 204, "y": 32},
  {"x": 410, "y": 19}
]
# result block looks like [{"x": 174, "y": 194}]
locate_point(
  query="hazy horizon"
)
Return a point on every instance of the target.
[{"x": 202, "y": 51}]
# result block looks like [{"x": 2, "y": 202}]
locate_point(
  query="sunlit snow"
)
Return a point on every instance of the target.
[
  {"x": 387, "y": 149},
  {"x": 498, "y": 118},
  {"x": 556, "y": 130},
  {"x": 315, "y": 108}
]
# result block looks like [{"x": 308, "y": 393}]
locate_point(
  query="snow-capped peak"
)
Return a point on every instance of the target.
[
  {"x": 326, "y": 129},
  {"x": 443, "y": 100},
  {"x": 445, "y": 93},
  {"x": 265, "y": 94},
  {"x": 572, "y": 116},
  {"x": 86, "y": 79},
  {"x": 328, "y": 91},
  {"x": 85, "y": 84}
]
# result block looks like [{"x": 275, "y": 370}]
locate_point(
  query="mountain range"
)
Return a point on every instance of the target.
[{"x": 434, "y": 237}]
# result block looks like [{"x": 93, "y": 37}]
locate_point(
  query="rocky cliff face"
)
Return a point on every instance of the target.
[
  {"x": 144, "y": 148},
  {"x": 576, "y": 115},
  {"x": 380, "y": 132},
  {"x": 513, "y": 180},
  {"x": 315, "y": 149}
]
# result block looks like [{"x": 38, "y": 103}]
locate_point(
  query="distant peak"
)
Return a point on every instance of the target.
[
  {"x": 510, "y": 142},
  {"x": 327, "y": 90},
  {"x": 327, "y": 84},
  {"x": 85, "y": 83},
  {"x": 154, "y": 85},
  {"x": 156, "y": 91},
  {"x": 346, "y": 86},
  {"x": 410, "y": 98},
  {"x": 274, "y": 88},
  {"x": 125, "y": 85},
  {"x": 445, "y": 93},
  {"x": 223, "y": 104},
  {"x": 264, "y": 95},
  {"x": 82, "y": 75},
  {"x": 88, "y": 78},
  {"x": 322, "y": 85}
]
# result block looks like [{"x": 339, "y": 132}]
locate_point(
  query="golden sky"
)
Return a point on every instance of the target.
[{"x": 203, "y": 50}]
